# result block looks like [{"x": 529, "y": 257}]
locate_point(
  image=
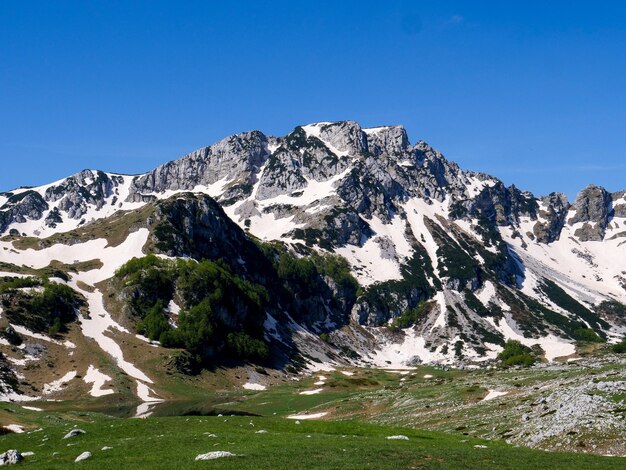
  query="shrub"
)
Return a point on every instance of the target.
[
  {"x": 155, "y": 323},
  {"x": 587, "y": 335},
  {"x": 619, "y": 348},
  {"x": 247, "y": 347},
  {"x": 411, "y": 316},
  {"x": 515, "y": 353}
]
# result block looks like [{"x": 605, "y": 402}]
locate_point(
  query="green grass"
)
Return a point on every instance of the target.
[{"x": 173, "y": 443}]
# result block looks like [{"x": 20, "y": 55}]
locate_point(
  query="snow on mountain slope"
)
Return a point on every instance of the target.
[
  {"x": 414, "y": 227},
  {"x": 69, "y": 203}
]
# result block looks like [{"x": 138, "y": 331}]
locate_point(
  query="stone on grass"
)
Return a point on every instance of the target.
[
  {"x": 83, "y": 456},
  {"x": 73, "y": 433},
  {"x": 399, "y": 437},
  {"x": 218, "y": 454},
  {"x": 11, "y": 457}
]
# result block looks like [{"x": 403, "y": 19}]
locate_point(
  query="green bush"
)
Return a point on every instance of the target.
[
  {"x": 619, "y": 348},
  {"x": 587, "y": 335},
  {"x": 217, "y": 304},
  {"x": 246, "y": 347},
  {"x": 411, "y": 316},
  {"x": 155, "y": 322},
  {"x": 325, "y": 337},
  {"x": 515, "y": 353}
]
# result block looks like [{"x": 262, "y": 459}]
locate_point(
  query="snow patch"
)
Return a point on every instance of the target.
[
  {"x": 308, "y": 416},
  {"x": 58, "y": 384},
  {"x": 311, "y": 392},
  {"x": 493, "y": 394},
  {"x": 98, "y": 379},
  {"x": 254, "y": 386}
]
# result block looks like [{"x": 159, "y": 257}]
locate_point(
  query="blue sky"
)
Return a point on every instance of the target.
[{"x": 531, "y": 92}]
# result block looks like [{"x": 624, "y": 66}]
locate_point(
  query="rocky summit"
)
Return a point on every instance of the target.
[{"x": 334, "y": 245}]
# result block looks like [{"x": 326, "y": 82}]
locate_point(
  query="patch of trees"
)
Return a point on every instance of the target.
[
  {"x": 222, "y": 314},
  {"x": 515, "y": 353},
  {"x": 38, "y": 304}
]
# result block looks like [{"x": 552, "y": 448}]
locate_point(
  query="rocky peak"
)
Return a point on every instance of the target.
[
  {"x": 552, "y": 217},
  {"x": 592, "y": 207},
  {"x": 76, "y": 193},
  {"x": 345, "y": 136},
  {"x": 235, "y": 159},
  {"x": 389, "y": 140}
]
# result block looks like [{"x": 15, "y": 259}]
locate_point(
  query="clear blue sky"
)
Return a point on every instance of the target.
[{"x": 531, "y": 92}]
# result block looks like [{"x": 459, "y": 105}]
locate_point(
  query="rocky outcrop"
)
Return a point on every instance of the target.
[
  {"x": 70, "y": 198},
  {"x": 196, "y": 226},
  {"x": 552, "y": 218},
  {"x": 234, "y": 160},
  {"x": 592, "y": 209},
  {"x": 20, "y": 208}
]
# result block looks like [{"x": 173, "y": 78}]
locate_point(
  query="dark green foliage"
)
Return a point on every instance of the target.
[
  {"x": 325, "y": 337},
  {"x": 152, "y": 281},
  {"x": 185, "y": 363},
  {"x": 55, "y": 328},
  {"x": 207, "y": 279},
  {"x": 586, "y": 335},
  {"x": 196, "y": 329},
  {"x": 619, "y": 348},
  {"x": 611, "y": 308},
  {"x": 390, "y": 296},
  {"x": 217, "y": 303},
  {"x": 135, "y": 266},
  {"x": 155, "y": 322},
  {"x": 8, "y": 284},
  {"x": 57, "y": 301},
  {"x": 411, "y": 316},
  {"x": 47, "y": 311},
  {"x": 11, "y": 336},
  {"x": 563, "y": 300},
  {"x": 476, "y": 305},
  {"x": 456, "y": 262},
  {"x": 246, "y": 347},
  {"x": 338, "y": 269},
  {"x": 457, "y": 210},
  {"x": 515, "y": 353},
  {"x": 300, "y": 274}
]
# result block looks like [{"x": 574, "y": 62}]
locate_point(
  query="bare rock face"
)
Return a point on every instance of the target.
[
  {"x": 391, "y": 141},
  {"x": 548, "y": 229},
  {"x": 345, "y": 136},
  {"x": 233, "y": 159},
  {"x": 21, "y": 208},
  {"x": 592, "y": 208},
  {"x": 75, "y": 195}
]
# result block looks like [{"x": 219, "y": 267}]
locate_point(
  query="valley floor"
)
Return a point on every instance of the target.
[
  {"x": 174, "y": 443},
  {"x": 452, "y": 418}
]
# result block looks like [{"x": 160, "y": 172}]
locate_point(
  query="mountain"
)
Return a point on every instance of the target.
[{"x": 334, "y": 244}]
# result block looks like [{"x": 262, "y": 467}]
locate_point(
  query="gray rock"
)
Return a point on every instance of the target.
[
  {"x": 592, "y": 207},
  {"x": 84, "y": 456},
  {"x": 235, "y": 159},
  {"x": 74, "y": 433},
  {"x": 11, "y": 457}
]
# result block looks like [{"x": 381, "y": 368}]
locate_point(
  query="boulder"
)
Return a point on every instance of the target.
[{"x": 11, "y": 457}]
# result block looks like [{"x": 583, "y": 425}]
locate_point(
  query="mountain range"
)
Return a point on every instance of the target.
[{"x": 332, "y": 245}]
